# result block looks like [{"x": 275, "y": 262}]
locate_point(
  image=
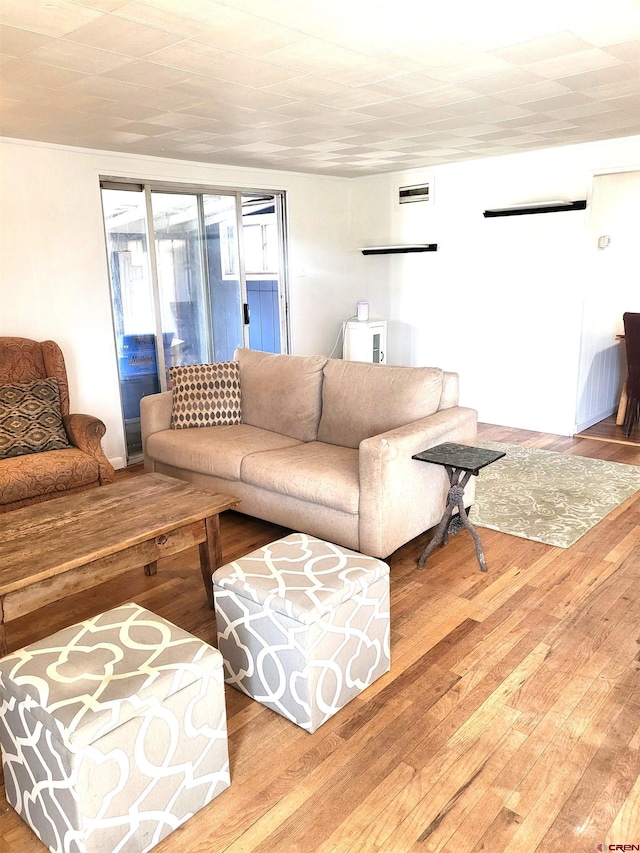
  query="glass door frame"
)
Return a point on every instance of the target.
[{"x": 200, "y": 190}]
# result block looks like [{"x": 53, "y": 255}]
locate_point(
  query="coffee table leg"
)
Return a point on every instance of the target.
[{"x": 210, "y": 554}]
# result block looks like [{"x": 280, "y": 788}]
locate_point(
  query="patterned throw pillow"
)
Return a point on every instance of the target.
[
  {"x": 30, "y": 418},
  {"x": 206, "y": 395}
]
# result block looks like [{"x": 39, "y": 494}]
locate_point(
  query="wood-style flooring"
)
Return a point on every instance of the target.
[
  {"x": 608, "y": 430},
  {"x": 509, "y": 722}
]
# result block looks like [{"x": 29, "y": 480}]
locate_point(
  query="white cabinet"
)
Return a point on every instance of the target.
[{"x": 365, "y": 341}]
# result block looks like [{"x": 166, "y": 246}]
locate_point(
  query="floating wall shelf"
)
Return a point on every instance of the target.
[
  {"x": 540, "y": 207},
  {"x": 398, "y": 250}
]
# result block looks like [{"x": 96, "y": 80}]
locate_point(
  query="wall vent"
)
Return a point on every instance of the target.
[{"x": 417, "y": 192}]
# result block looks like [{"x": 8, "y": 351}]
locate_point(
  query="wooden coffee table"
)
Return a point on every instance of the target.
[{"x": 59, "y": 547}]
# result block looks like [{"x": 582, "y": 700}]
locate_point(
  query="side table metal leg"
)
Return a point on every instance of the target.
[
  {"x": 454, "y": 498},
  {"x": 465, "y": 520},
  {"x": 439, "y": 535}
]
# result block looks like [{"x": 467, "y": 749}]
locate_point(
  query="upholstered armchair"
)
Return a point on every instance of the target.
[{"x": 44, "y": 451}]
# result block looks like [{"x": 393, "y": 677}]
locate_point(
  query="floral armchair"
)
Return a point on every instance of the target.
[{"x": 44, "y": 451}]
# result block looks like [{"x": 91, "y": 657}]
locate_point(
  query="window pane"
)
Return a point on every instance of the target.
[
  {"x": 125, "y": 224},
  {"x": 180, "y": 279},
  {"x": 253, "y": 248},
  {"x": 262, "y": 252},
  {"x": 224, "y": 281}
]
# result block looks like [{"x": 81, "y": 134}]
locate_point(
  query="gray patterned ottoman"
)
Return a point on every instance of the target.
[
  {"x": 303, "y": 626},
  {"x": 113, "y": 732}
]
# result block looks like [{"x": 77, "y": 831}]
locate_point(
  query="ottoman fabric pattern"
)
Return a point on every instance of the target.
[
  {"x": 113, "y": 732},
  {"x": 303, "y": 626}
]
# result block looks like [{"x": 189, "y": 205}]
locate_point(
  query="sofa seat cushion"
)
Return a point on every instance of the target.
[
  {"x": 361, "y": 400},
  {"x": 213, "y": 450},
  {"x": 281, "y": 393},
  {"x": 319, "y": 473},
  {"x": 36, "y": 474}
]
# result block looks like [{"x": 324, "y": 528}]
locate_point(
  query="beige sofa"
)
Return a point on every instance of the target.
[{"x": 324, "y": 447}]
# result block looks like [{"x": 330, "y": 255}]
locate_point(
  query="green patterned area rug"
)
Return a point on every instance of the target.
[{"x": 549, "y": 497}]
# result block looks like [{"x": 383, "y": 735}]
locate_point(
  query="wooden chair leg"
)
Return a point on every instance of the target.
[{"x": 632, "y": 415}]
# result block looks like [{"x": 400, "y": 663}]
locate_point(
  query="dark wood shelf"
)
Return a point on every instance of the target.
[
  {"x": 401, "y": 249},
  {"x": 528, "y": 209}
]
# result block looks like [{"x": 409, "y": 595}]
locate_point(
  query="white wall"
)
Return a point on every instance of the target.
[
  {"x": 54, "y": 280},
  {"x": 501, "y": 301},
  {"x": 612, "y": 288}
]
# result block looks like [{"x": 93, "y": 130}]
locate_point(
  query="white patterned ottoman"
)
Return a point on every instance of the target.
[
  {"x": 113, "y": 732},
  {"x": 303, "y": 626}
]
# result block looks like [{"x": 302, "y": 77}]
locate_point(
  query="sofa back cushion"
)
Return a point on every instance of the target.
[
  {"x": 281, "y": 393},
  {"x": 450, "y": 390},
  {"x": 361, "y": 400}
]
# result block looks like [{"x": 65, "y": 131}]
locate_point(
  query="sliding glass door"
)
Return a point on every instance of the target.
[{"x": 192, "y": 298}]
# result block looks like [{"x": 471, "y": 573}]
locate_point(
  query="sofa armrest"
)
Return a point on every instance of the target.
[
  {"x": 401, "y": 497},
  {"x": 155, "y": 416},
  {"x": 85, "y": 432}
]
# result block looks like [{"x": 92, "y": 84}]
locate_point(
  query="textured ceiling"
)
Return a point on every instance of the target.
[{"x": 340, "y": 87}]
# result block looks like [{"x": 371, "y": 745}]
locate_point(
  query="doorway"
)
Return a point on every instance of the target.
[{"x": 213, "y": 280}]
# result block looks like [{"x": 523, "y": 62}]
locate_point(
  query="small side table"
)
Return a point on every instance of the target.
[{"x": 461, "y": 462}]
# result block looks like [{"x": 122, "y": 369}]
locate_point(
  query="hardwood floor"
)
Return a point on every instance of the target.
[
  {"x": 509, "y": 723},
  {"x": 608, "y": 430}
]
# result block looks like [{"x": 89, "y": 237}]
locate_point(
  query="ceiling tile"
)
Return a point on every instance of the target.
[
  {"x": 130, "y": 38},
  {"x": 613, "y": 30},
  {"x": 370, "y": 71},
  {"x": 314, "y": 56},
  {"x": 603, "y": 92},
  {"x": 104, "y": 87},
  {"x": 148, "y": 129},
  {"x": 547, "y": 47},
  {"x": 573, "y": 63},
  {"x": 131, "y": 112},
  {"x": 210, "y": 61},
  {"x": 145, "y": 73},
  {"x": 431, "y": 49},
  {"x": 473, "y": 66},
  {"x": 103, "y": 5},
  {"x": 17, "y": 42},
  {"x": 440, "y": 97},
  {"x": 471, "y": 106},
  {"x": 532, "y": 92},
  {"x": 415, "y": 83},
  {"x": 613, "y": 75},
  {"x": 629, "y": 103},
  {"x": 587, "y": 109},
  {"x": 308, "y": 86},
  {"x": 610, "y": 120},
  {"x": 77, "y": 57},
  {"x": 33, "y": 74},
  {"x": 215, "y": 24},
  {"x": 40, "y": 16},
  {"x": 514, "y": 79}
]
